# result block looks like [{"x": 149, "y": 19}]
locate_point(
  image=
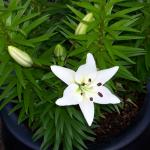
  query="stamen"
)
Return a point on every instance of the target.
[
  {"x": 81, "y": 93},
  {"x": 91, "y": 98},
  {"x": 100, "y": 94},
  {"x": 90, "y": 80},
  {"x": 83, "y": 84},
  {"x": 99, "y": 84}
]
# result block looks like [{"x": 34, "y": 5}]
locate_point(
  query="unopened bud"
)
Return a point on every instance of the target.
[
  {"x": 20, "y": 56},
  {"x": 59, "y": 51},
  {"x": 83, "y": 25}
]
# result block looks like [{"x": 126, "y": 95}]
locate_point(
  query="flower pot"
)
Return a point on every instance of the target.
[
  {"x": 128, "y": 139},
  {"x": 14, "y": 135}
]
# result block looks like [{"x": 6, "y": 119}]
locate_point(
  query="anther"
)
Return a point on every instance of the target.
[
  {"x": 91, "y": 98},
  {"x": 99, "y": 84},
  {"x": 83, "y": 84},
  {"x": 100, "y": 94},
  {"x": 90, "y": 80},
  {"x": 81, "y": 93}
]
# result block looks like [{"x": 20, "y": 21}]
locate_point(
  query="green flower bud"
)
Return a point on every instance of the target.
[
  {"x": 82, "y": 26},
  {"x": 20, "y": 56},
  {"x": 59, "y": 51}
]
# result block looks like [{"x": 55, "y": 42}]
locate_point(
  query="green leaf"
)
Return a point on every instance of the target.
[
  {"x": 21, "y": 12},
  {"x": 128, "y": 37},
  {"x": 23, "y": 19},
  {"x": 35, "y": 23},
  {"x": 6, "y": 92},
  {"x": 117, "y": 109},
  {"x": 72, "y": 24},
  {"x": 20, "y": 75},
  {"x": 67, "y": 141},
  {"x": 122, "y": 28},
  {"x": 78, "y": 139},
  {"x": 23, "y": 42},
  {"x": 47, "y": 134},
  {"x": 110, "y": 4},
  {"x": 2, "y": 43},
  {"x": 76, "y": 12},
  {"x": 121, "y": 55},
  {"x": 31, "y": 79},
  {"x": 124, "y": 73},
  {"x": 129, "y": 51},
  {"x": 1, "y": 3},
  {"x": 40, "y": 38},
  {"x": 5, "y": 74},
  {"x": 22, "y": 115},
  {"x": 8, "y": 99},
  {"x": 87, "y": 6},
  {"x": 123, "y": 23},
  {"x": 27, "y": 97},
  {"x": 38, "y": 134},
  {"x": 15, "y": 108},
  {"x": 39, "y": 93},
  {"x": 24, "y": 8},
  {"x": 48, "y": 76},
  {"x": 124, "y": 12},
  {"x": 108, "y": 47},
  {"x": 19, "y": 90}
]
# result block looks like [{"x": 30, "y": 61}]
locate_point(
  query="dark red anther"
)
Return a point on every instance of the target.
[
  {"x": 100, "y": 94},
  {"x": 91, "y": 98},
  {"x": 99, "y": 84},
  {"x": 90, "y": 80}
]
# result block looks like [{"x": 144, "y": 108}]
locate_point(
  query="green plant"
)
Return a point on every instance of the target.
[
  {"x": 113, "y": 36},
  {"x": 143, "y": 65}
]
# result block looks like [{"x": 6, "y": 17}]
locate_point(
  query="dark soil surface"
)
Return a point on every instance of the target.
[{"x": 114, "y": 122}]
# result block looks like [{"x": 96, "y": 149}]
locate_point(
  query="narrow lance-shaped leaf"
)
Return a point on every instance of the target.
[{"x": 35, "y": 24}]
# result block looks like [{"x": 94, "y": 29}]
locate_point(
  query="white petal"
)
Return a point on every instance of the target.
[
  {"x": 71, "y": 96},
  {"x": 86, "y": 71},
  {"x": 87, "y": 108},
  {"x": 105, "y": 96},
  {"x": 90, "y": 61},
  {"x": 65, "y": 74},
  {"x": 104, "y": 75}
]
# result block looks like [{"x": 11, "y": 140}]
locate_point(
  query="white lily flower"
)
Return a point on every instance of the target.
[{"x": 86, "y": 87}]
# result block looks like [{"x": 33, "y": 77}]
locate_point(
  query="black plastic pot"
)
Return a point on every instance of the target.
[
  {"x": 16, "y": 137},
  {"x": 134, "y": 135}
]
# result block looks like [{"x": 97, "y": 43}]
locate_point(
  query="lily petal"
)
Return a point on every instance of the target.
[
  {"x": 91, "y": 61},
  {"x": 104, "y": 75},
  {"x": 105, "y": 96},
  {"x": 71, "y": 96},
  {"x": 65, "y": 74},
  {"x": 87, "y": 108},
  {"x": 86, "y": 71}
]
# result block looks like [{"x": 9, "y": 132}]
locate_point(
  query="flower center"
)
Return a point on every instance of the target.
[{"x": 86, "y": 88}]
